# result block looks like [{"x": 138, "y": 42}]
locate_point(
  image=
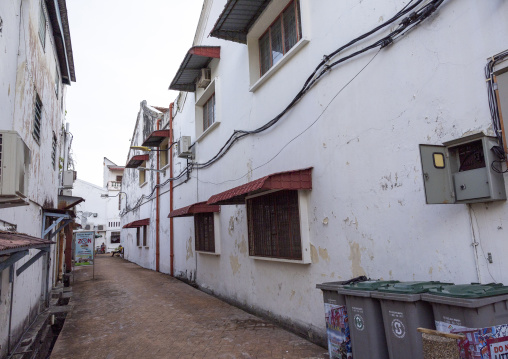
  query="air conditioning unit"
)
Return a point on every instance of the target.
[
  {"x": 183, "y": 147},
  {"x": 68, "y": 179},
  {"x": 67, "y": 192},
  {"x": 100, "y": 227},
  {"x": 95, "y": 215},
  {"x": 88, "y": 227},
  {"x": 14, "y": 169},
  {"x": 205, "y": 78}
]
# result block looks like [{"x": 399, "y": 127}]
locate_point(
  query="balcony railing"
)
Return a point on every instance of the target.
[{"x": 114, "y": 186}]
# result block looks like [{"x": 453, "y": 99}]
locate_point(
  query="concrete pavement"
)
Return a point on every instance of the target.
[{"x": 131, "y": 312}]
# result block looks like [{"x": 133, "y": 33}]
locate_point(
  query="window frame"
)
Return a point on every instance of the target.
[
  {"x": 142, "y": 174},
  {"x": 114, "y": 234},
  {"x": 272, "y": 13},
  {"x": 268, "y": 32},
  {"x": 304, "y": 228},
  {"x": 42, "y": 25},
  {"x": 206, "y": 118},
  {"x": 37, "y": 120},
  {"x": 145, "y": 236},
  {"x": 201, "y": 244},
  {"x": 164, "y": 153},
  {"x": 138, "y": 236}
]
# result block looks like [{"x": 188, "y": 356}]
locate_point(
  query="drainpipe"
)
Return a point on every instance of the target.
[
  {"x": 171, "y": 229},
  {"x": 11, "y": 277},
  {"x": 157, "y": 213}
]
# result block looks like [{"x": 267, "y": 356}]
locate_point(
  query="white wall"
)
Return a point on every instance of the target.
[
  {"x": 367, "y": 207},
  {"x": 26, "y": 68}
]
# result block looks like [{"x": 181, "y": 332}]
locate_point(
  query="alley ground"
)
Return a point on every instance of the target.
[{"x": 131, "y": 312}]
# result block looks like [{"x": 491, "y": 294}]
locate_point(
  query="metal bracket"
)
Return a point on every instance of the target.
[
  {"x": 32, "y": 260},
  {"x": 13, "y": 258}
]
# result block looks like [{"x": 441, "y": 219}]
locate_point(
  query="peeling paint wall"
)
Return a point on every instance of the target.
[
  {"x": 26, "y": 69},
  {"x": 367, "y": 212}
]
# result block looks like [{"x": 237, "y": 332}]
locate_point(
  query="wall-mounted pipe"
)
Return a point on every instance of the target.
[
  {"x": 171, "y": 229},
  {"x": 157, "y": 212}
]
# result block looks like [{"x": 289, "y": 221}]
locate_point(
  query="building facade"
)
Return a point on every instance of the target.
[
  {"x": 36, "y": 62},
  {"x": 298, "y": 157}
]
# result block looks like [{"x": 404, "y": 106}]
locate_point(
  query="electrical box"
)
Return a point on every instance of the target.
[
  {"x": 205, "y": 78},
  {"x": 68, "y": 179},
  {"x": 183, "y": 149},
  {"x": 465, "y": 170},
  {"x": 14, "y": 169}
]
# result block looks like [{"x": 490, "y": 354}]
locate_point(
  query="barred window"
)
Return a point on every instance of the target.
[
  {"x": 274, "y": 225},
  {"x": 42, "y": 26},
  {"x": 37, "y": 118},
  {"x": 204, "y": 232},
  {"x": 53, "y": 151},
  {"x": 138, "y": 237},
  {"x": 209, "y": 112},
  {"x": 280, "y": 37},
  {"x": 115, "y": 237}
]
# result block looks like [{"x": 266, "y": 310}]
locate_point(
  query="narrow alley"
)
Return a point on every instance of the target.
[{"x": 131, "y": 312}]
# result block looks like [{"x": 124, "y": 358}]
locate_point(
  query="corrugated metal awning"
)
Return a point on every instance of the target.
[
  {"x": 290, "y": 180},
  {"x": 197, "y": 58},
  {"x": 136, "y": 161},
  {"x": 200, "y": 207},
  {"x": 155, "y": 139},
  {"x": 68, "y": 202},
  {"x": 11, "y": 242},
  {"x": 138, "y": 223},
  {"x": 237, "y": 18}
]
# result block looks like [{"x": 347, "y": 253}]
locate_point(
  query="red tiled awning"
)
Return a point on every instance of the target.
[
  {"x": 13, "y": 242},
  {"x": 197, "y": 58},
  {"x": 290, "y": 180},
  {"x": 156, "y": 137},
  {"x": 136, "y": 161},
  {"x": 138, "y": 223},
  {"x": 200, "y": 207},
  {"x": 116, "y": 168}
]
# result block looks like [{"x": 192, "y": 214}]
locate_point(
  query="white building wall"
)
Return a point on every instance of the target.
[
  {"x": 367, "y": 208},
  {"x": 28, "y": 68}
]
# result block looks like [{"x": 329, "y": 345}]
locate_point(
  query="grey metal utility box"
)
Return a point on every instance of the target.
[{"x": 462, "y": 171}]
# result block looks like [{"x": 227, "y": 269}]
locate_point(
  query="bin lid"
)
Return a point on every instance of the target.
[
  {"x": 414, "y": 287},
  {"x": 473, "y": 290},
  {"x": 370, "y": 285},
  {"x": 339, "y": 284}
]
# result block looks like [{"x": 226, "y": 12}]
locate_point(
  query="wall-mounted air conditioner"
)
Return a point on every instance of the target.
[
  {"x": 183, "y": 149},
  {"x": 68, "y": 179},
  {"x": 14, "y": 169},
  {"x": 87, "y": 227},
  {"x": 100, "y": 227},
  {"x": 205, "y": 78},
  {"x": 67, "y": 192}
]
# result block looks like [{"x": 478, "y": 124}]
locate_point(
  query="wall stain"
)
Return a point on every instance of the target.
[
  {"x": 431, "y": 270},
  {"x": 323, "y": 253},
  {"x": 243, "y": 246},
  {"x": 355, "y": 257},
  {"x": 314, "y": 254},
  {"x": 231, "y": 226},
  {"x": 190, "y": 253},
  {"x": 235, "y": 265},
  {"x": 292, "y": 295}
]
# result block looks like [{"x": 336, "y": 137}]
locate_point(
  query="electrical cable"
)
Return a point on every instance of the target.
[{"x": 408, "y": 23}]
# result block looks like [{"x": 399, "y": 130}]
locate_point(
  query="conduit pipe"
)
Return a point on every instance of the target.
[
  {"x": 157, "y": 212},
  {"x": 171, "y": 230}
]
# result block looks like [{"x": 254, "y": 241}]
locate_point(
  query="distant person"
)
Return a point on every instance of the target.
[
  {"x": 103, "y": 248},
  {"x": 119, "y": 250}
]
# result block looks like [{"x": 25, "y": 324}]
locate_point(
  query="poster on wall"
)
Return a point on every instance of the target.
[
  {"x": 84, "y": 244},
  {"x": 337, "y": 327}
]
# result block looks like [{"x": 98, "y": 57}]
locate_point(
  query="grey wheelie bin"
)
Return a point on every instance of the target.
[
  {"x": 404, "y": 312},
  {"x": 337, "y": 323},
  {"x": 366, "y": 320},
  {"x": 468, "y": 305}
]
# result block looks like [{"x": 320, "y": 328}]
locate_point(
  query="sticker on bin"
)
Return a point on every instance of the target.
[
  {"x": 398, "y": 328},
  {"x": 449, "y": 325},
  {"x": 337, "y": 327}
]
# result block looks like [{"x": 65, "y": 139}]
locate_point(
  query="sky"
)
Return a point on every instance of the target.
[{"x": 125, "y": 51}]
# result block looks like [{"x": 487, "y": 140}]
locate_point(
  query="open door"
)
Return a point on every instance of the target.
[{"x": 436, "y": 175}]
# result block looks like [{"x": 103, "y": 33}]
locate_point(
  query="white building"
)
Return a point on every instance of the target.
[
  {"x": 100, "y": 212},
  {"x": 332, "y": 188},
  {"x": 36, "y": 62}
]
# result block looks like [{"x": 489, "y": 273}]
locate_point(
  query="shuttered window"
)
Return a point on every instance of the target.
[
  {"x": 280, "y": 37},
  {"x": 274, "y": 225},
  {"x": 37, "y": 118},
  {"x": 209, "y": 112},
  {"x": 204, "y": 232}
]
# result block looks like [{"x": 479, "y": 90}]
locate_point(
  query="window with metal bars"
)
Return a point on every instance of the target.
[
  {"x": 280, "y": 37},
  {"x": 53, "y": 151},
  {"x": 204, "y": 232},
  {"x": 42, "y": 26},
  {"x": 138, "y": 237},
  {"x": 115, "y": 237},
  {"x": 37, "y": 118},
  {"x": 209, "y": 112},
  {"x": 274, "y": 225},
  {"x": 145, "y": 235}
]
